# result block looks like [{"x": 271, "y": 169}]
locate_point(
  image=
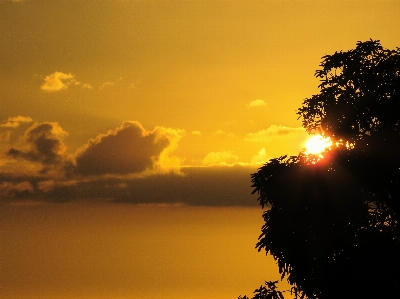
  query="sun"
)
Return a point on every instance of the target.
[{"x": 317, "y": 144}]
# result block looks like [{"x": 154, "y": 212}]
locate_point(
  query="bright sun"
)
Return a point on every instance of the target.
[{"x": 317, "y": 144}]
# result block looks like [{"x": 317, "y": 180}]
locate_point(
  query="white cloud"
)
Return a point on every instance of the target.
[
  {"x": 58, "y": 81},
  {"x": 256, "y": 103}
]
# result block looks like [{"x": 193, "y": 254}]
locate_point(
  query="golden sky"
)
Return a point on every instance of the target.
[{"x": 155, "y": 102}]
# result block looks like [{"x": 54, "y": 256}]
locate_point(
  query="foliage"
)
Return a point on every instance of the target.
[
  {"x": 326, "y": 230},
  {"x": 268, "y": 291},
  {"x": 359, "y": 93},
  {"x": 332, "y": 225}
]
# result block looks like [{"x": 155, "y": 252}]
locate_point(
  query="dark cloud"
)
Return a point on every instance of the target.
[
  {"x": 43, "y": 143},
  {"x": 200, "y": 186},
  {"x": 196, "y": 186},
  {"x": 127, "y": 149}
]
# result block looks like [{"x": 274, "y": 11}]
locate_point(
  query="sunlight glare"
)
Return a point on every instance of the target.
[{"x": 317, "y": 144}]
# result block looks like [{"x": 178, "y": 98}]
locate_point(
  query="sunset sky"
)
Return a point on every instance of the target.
[{"x": 129, "y": 130}]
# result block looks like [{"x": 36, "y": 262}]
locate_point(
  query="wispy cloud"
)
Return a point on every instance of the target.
[
  {"x": 196, "y": 133},
  {"x": 256, "y": 103},
  {"x": 219, "y": 132},
  {"x": 14, "y": 122},
  {"x": 106, "y": 84},
  {"x": 87, "y": 86},
  {"x": 273, "y": 131}
]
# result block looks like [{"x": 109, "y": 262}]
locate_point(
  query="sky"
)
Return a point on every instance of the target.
[{"x": 129, "y": 130}]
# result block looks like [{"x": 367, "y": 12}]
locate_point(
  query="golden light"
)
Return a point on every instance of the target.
[{"x": 317, "y": 144}]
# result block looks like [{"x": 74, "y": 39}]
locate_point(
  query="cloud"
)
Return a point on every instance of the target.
[
  {"x": 106, "y": 84},
  {"x": 200, "y": 186},
  {"x": 5, "y": 136},
  {"x": 11, "y": 189},
  {"x": 256, "y": 103},
  {"x": 12, "y": 1},
  {"x": 14, "y": 122},
  {"x": 10, "y": 125},
  {"x": 43, "y": 143},
  {"x": 166, "y": 162},
  {"x": 126, "y": 165},
  {"x": 219, "y": 132},
  {"x": 128, "y": 149},
  {"x": 224, "y": 157},
  {"x": 58, "y": 81},
  {"x": 110, "y": 83},
  {"x": 196, "y": 133},
  {"x": 273, "y": 131},
  {"x": 222, "y": 132},
  {"x": 260, "y": 158}
]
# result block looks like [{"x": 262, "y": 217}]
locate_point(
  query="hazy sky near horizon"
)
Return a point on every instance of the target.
[{"x": 120, "y": 102}]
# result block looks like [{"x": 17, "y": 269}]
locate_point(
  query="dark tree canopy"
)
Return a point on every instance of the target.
[
  {"x": 331, "y": 236},
  {"x": 359, "y": 94},
  {"x": 332, "y": 224}
]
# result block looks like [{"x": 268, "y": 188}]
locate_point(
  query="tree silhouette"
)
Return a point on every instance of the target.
[
  {"x": 333, "y": 223},
  {"x": 269, "y": 291},
  {"x": 359, "y": 94}
]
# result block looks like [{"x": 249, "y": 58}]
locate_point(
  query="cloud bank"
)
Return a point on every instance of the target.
[{"x": 127, "y": 164}]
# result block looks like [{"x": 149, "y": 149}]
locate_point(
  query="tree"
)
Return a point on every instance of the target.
[{"x": 333, "y": 223}]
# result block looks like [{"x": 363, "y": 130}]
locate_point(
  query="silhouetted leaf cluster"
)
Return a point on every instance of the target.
[{"x": 269, "y": 291}]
